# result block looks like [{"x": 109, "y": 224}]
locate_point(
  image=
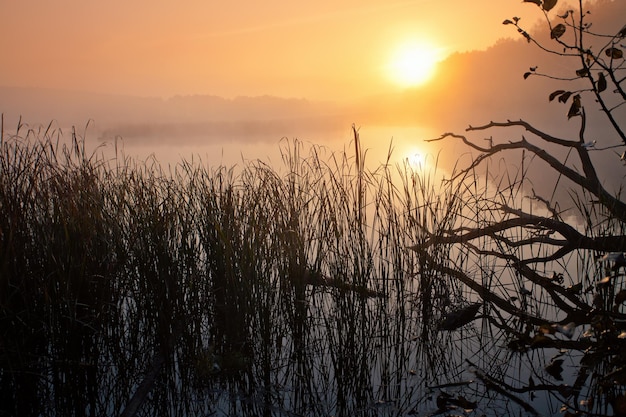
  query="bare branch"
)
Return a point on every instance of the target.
[
  {"x": 484, "y": 293},
  {"x": 524, "y": 220},
  {"x": 589, "y": 181}
]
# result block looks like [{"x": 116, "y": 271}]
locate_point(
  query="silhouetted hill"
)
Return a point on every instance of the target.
[{"x": 177, "y": 118}]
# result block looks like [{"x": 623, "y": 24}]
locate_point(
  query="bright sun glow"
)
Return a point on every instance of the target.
[
  {"x": 413, "y": 64},
  {"x": 416, "y": 159}
]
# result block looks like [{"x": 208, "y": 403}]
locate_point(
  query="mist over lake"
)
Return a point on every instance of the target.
[{"x": 401, "y": 208}]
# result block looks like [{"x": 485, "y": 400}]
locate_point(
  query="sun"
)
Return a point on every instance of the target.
[
  {"x": 413, "y": 63},
  {"x": 415, "y": 158}
]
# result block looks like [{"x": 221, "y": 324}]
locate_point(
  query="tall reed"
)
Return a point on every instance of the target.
[{"x": 129, "y": 288}]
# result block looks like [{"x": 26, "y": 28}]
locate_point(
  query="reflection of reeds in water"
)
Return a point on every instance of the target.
[{"x": 192, "y": 291}]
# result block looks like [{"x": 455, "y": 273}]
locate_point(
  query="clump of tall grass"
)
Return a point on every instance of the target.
[{"x": 196, "y": 290}]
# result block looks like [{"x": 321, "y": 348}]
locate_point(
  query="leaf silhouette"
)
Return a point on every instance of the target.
[
  {"x": 546, "y": 329},
  {"x": 575, "y": 289},
  {"x": 582, "y": 72},
  {"x": 601, "y": 83},
  {"x": 507, "y": 22},
  {"x": 549, "y": 4},
  {"x": 458, "y": 318},
  {"x": 565, "y": 96},
  {"x": 537, "y": 2},
  {"x": 555, "y": 369},
  {"x": 527, "y": 74},
  {"x": 465, "y": 404},
  {"x": 555, "y": 94},
  {"x": 614, "y": 53},
  {"x": 557, "y": 31},
  {"x": 574, "y": 109},
  {"x": 541, "y": 341}
]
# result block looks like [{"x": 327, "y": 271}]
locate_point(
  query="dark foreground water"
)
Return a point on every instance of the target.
[{"x": 129, "y": 290}]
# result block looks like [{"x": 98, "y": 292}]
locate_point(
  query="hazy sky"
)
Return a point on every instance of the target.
[
  {"x": 320, "y": 50},
  {"x": 325, "y": 64}
]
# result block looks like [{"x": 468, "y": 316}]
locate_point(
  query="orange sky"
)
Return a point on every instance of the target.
[
  {"x": 320, "y": 53},
  {"x": 319, "y": 50}
]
